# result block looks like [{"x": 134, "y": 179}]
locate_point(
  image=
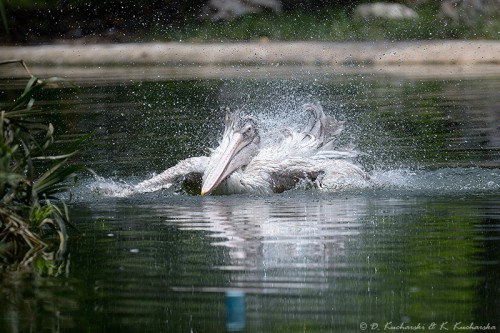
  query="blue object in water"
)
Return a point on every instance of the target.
[{"x": 235, "y": 310}]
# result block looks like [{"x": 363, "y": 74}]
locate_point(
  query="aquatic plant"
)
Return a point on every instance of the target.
[{"x": 32, "y": 173}]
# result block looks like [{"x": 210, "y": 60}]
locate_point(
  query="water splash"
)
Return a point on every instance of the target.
[
  {"x": 444, "y": 180},
  {"x": 110, "y": 188},
  {"x": 282, "y": 104},
  {"x": 282, "y": 107},
  {"x": 274, "y": 114}
]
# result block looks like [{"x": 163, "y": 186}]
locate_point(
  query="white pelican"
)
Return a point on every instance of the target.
[{"x": 240, "y": 165}]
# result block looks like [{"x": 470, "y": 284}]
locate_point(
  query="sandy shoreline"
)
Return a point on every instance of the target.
[
  {"x": 262, "y": 53},
  {"x": 158, "y": 61}
]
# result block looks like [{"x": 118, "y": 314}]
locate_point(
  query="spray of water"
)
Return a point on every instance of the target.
[
  {"x": 276, "y": 104},
  {"x": 445, "y": 180},
  {"x": 279, "y": 104}
]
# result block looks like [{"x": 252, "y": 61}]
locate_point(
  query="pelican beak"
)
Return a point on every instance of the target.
[{"x": 223, "y": 163}]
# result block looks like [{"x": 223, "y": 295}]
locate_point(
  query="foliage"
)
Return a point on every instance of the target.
[
  {"x": 157, "y": 20},
  {"x": 31, "y": 176},
  {"x": 330, "y": 24}
]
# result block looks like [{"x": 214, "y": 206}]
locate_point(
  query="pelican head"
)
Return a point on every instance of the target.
[{"x": 240, "y": 143}]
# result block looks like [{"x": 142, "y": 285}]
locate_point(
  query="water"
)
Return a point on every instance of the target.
[{"x": 419, "y": 248}]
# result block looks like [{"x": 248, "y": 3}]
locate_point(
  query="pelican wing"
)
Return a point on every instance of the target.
[
  {"x": 320, "y": 126},
  {"x": 321, "y": 173},
  {"x": 190, "y": 169}
]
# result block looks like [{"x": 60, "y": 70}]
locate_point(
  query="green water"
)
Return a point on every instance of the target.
[{"x": 421, "y": 248}]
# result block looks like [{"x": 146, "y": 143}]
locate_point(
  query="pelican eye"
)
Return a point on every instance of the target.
[{"x": 248, "y": 130}]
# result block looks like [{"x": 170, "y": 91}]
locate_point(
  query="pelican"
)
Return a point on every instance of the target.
[{"x": 241, "y": 165}]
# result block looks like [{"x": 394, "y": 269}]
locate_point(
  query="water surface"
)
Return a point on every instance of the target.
[{"x": 419, "y": 247}]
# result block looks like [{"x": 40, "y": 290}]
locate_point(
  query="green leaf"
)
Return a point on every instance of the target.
[{"x": 53, "y": 180}]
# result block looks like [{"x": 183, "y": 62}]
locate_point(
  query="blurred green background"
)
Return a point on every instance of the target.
[{"x": 48, "y": 21}]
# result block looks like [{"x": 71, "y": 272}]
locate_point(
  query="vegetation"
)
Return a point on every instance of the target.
[
  {"x": 156, "y": 20},
  {"x": 333, "y": 24},
  {"x": 31, "y": 176}
]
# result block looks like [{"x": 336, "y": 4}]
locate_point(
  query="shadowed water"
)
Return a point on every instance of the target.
[{"x": 421, "y": 246}]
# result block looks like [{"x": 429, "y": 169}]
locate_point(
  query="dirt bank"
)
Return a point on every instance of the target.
[{"x": 262, "y": 53}]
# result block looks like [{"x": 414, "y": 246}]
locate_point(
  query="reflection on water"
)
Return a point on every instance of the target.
[
  {"x": 420, "y": 247},
  {"x": 317, "y": 261}
]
